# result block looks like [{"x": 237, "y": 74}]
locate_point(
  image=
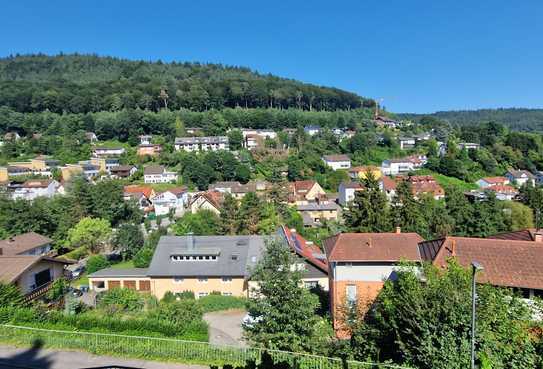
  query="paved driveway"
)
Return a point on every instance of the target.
[
  {"x": 225, "y": 327},
  {"x": 37, "y": 358}
]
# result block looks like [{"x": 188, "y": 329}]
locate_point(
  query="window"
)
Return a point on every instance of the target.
[
  {"x": 311, "y": 284},
  {"x": 202, "y": 280},
  {"x": 234, "y": 257},
  {"x": 99, "y": 284},
  {"x": 351, "y": 293},
  {"x": 145, "y": 285},
  {"x": 178, "y": 279},
  {"x": 227, "y": 293},
  {"x": 202, "y": 294},
  {"x": 226, "y": 279},
  {"x": 253, "y": 259}
]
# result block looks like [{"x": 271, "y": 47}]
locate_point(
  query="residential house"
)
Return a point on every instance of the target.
[
  {"x": 238, "y": 190},
  {"x": 312, "y": 130},
  {"x": 254, "y": 138},
  {"x": 142, "y": 195},
  {"x": 362, "y": 172},
  {"x": 425, "y": 185},
  {"x": 40, "y": 165},
  {"x": 302, "y": 192},
  {"x": 149, "y": 150},
  {"x": 145, "y": 139},
  {"x": 360, "y": 263},
  {"x": 173, "y": 200},
  {"x": 158, "y": 174},
  {"x": 388, "y": 186},
  {"x": 520, "y": 177},
  {"x": 492, "y": 181},
  {"x": 4, "y": 175},
  {"x": 386, "y": 122},
  {"x": 404, "y": 165},
  {"x": 469, "y": 146},
  {"x": 314, "y": 214},
  {"x": 407, "y": 143},
  {"x": 337, "y": 161},
  {"x": 34, "y": 188},
  {"x": 32, "y": 274},
  {"x": 200, "y": 264},
  {"x": 102, "y": 152},
  {"x": 123, "y": 171},
  {"x": 207, "y": 200},
  {"x": 347, "y": 191},
  {"x": 30, "y": 243},
  {"x": 507, "y": 262},
  {"x": 315, "y": 265},
  {"x": 18, "y": 171},
  {"x": 211, "y": 143},
  {"x": 504, "y": 192},
  {"x": 194, "y": 131},
  {"x": 91, "y": 137}
]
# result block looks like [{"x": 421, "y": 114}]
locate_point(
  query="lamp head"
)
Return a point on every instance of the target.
[{"x": 476, "y": 266}]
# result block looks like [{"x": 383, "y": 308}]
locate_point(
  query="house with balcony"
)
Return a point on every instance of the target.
[
  {"x": 149, "y": 150},
  {"x": 407, "y": 143},
  {"x": 123, "y": 171},
  {"x": 173, "y": 200},
  {"x": 104, "y": 152},
  {"x": 210, "y": 143},
  {"x": 158, "y": 174},
  {"x": 35, "y": 188},
  {"x": 403, "y": 165},
  {"x": 336, "y": 162}
]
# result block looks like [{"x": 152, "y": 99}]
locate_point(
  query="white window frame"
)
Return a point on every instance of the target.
[
  {"x": 178, "y": 280},
  {"x": 202, "y": 280},
  {"x": 226, "y": 280}
]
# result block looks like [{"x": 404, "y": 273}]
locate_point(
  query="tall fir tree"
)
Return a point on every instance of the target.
[
  {"x": 408, "y": 211},
  {"x": 229, "y": 215}
]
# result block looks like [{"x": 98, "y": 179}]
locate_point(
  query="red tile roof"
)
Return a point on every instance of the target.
[
  {"x": 335, "y": 158},
  {"x": 384, "y": 247},
  {"x": 495, "y": 180},
  {"x": 503, "y": 189},
  {"x": 506, "y": 263},
  {"x": 303, "y": 186},
  {"x": 388, "y": 183},
  {"x": 145, "y": 190},
  {"x": 308, "y": 251},
  {"x": 521, "y": 235}
]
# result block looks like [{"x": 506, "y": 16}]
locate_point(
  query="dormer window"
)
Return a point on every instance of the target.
[{"x": 234, "y": 257}]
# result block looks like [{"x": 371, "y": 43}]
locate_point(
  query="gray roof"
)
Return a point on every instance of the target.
[
  {"x": 313, "y": 206},
  {"x": 112, "y": 272},
  {"x": 247, "y": 249},
  {"x": 153, "y": 169}
]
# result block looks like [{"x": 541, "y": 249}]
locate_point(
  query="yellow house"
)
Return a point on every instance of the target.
[
  {"x": 303, "y": 192},
  {"x": 70, "y": 170},
  {"x": 4, "y": 174},
  {"x": 361, "y": 172}
]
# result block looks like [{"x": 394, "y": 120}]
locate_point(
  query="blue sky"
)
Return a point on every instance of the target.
[{"x": 419, "y": 56}]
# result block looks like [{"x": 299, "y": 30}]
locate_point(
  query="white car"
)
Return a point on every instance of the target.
[{"x": 249, "y": 320}]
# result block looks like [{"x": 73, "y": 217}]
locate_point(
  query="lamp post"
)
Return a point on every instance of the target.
[{"x": 475, "y": 267}]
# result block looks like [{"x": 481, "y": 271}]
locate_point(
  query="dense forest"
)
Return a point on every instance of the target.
[
  {"x": 514, "y": 118},
  {"x": 89, "y": 83}
]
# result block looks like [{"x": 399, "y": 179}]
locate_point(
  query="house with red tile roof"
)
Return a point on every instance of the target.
[
  {"x": 507, "y": 262},
  {"x": 360, "y": 263},
  {"x": 207, "y": 200},
  {"x": 425, "y": 185},
  {"x": 302, "y": 192},
  {"x": 492, "y": 181}
]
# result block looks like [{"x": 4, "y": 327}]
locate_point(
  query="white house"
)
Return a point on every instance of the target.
[
  {"x": 492, "y": 181},
  {"x": 252, "y": 138},
  {"x": 312, "y": 130},
  {"x": 337, "y": 161},
  {"x": 34, "y": 188},
  {"x": 211, "y": 143},
  {"x": 405, "y": 165},
  {"x": 175, "y": 199},
  {"x": 145, "y": 139},
  {"x": 520, "y": 177},
  {"x": 469, "y": 146},
  {"x": 158, "y": 174},
  {"x": 407, "y": 142},
  {"x": 100, "y": 152},
  {"x": 347, "y": 192}
]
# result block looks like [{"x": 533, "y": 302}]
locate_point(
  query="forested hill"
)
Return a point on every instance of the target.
[
  {"x": 514, "y": 118},
  {"x": 89, "y": 83}
]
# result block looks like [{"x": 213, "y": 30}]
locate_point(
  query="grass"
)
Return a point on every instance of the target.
[
  {"x": 446, "y": 181},
  {"x": 84, "y": 278},
  {"x": 127, "y": 264}
]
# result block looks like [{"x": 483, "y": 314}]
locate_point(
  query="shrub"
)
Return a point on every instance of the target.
[
  {"x": 57, "y": 289},
  {"x": 10, "y": 295},
  {"x": 169, "y": 296},
  {"x": 121, "y": 299},
  {"x": 217, "y": 302},
  {"x": 143, "y": 257},
  {"x": 97, "y": 262},
  {"x": 177, "y": 312},
  {"x": 76, "y": 254}
]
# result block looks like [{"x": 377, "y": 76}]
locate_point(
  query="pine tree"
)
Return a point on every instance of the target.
[
  {"x": 369, "y": 211},
  {"x": 249, "y": 214},
  {"x": 407, "y": 210},
  {"x": 229, "y": 215}
]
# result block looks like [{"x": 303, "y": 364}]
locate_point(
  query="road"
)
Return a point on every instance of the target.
[
  {"x": 37, "y": 358},
  {"x": 225, "y": 327}
]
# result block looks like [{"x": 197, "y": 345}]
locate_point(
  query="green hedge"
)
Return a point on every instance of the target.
[{"x": 217, "y": 302}]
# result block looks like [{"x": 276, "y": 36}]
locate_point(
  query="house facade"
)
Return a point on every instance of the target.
[
  {"x": 158, "y": 174},
  {"x": 123, "y": 171},
  {"x": 314, "y": 214},
  {"x": 302, "y": 192},
  {"x": 30, "y": 243},
  {"x": 35, "y": 188},
  {"x": 520, "y": 177},
  {"x": 362, "y": 171},
  {"x": 337, "y": 161},
  {"x": 405, "y": 165},
  {"x": 210, "y": 143},
  {"x": 347, "y": 191},
  {"x": 492, "y": 181},
  {"x": 101, "y": 152},
  {"x": 149, "y": 150},
  {"x": 208, "y": 200},
  {"x": 173, "y": 200}
]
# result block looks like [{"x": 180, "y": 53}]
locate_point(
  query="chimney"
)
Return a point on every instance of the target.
[
  {"x": 453, "y": 247},
  {"x": 398, "y": 230},
  {"x": 190, "y": 241},
  {"x": 11, "y": 239},
  {"x": 538, "y": 237}
]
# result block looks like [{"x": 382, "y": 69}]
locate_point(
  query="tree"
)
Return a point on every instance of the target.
[
  {"x": 369, "y": 211},
  {"x": 427, "y": 325},
  {"x": 10, "y": 295},
  {"x": 201, "y": 223},
  {"x": 283, "y": 310},
  {"x": 407, "y": 211},
  {"x": 97, "y": 262},
  {"x": 235, "y": 139},
  {"x": 128, "y": 239},
  {"x": 229, "y": 215},
  {"x": 249, "y": 215},
  {"x": 89, "y": 233},
  {"x": 519, "y": 216}
]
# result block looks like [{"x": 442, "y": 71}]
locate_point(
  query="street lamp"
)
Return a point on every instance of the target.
[{"x": 475, "y": 267}]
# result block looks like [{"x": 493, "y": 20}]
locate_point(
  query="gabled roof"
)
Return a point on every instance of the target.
[
  {"x": 215, "y": 198},
  {"x": 11, "y": 267},
  {"x": 304, "y": 186},
  {"x": 154, "y": 169},
  {"x": 495, "y": 180},
  {"x": 502, "y": 189},
  {"x": 520, "y": 174},
  {"x": 521, "y": 235},
  {"x": 38, "y": 183},
  {"x": 122, "y": 168},
  {"x": 388, "y": 183},
  {"x": 310, "y": 252},
  {"x": 506, "y": 263},
  {"x": 145, "y": 190},
  {"x": 23, "y": 243},
  {"x": 336, "y": 158},
  {"x": 373, "y": 247}
]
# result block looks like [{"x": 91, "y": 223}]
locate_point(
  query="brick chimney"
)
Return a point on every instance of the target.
[
  {"x": 398, "y": 230},
  {"x": 538, "y": 236}
]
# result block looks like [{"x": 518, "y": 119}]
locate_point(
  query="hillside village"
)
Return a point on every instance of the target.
[{"x": 142, "y": 221}]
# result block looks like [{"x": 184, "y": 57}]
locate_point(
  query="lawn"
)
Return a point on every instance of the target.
[
  {"x": 84, "y": 278},
  {"x": 123, "y": 265}
]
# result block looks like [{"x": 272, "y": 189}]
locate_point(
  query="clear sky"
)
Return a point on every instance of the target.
[{"x": 419, "y": 56}]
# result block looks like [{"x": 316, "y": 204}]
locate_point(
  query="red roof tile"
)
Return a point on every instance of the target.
[{"x": 305, "y": 250}]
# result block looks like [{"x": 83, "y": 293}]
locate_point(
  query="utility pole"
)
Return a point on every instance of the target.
[{"x": 476, "y": 267}]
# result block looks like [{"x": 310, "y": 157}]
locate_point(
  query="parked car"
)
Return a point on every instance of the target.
[{"x": 249, "y": 320}]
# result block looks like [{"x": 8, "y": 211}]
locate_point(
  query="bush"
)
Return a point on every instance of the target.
[
  {"x": 171, "y": 297},
  {"x": 217, "y": 302},
  {"x": 10, "y": 295},
  {"x": 143, "y": 257},
  {"x": 177, "y": 312},
  {"x": 76, "y": 254},
  {"x": 121, "y": 299},
  {"x": 97, "y": 262},
  {"x": 57, "y": 289}
]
